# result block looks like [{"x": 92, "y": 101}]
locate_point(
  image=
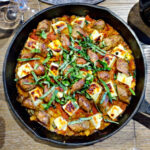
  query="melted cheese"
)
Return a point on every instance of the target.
[
  {"x": 96, "y": 120},
  {"x": 58, "y": 26},
  {"x": 95, "y": 36},
  {"x": 110, "y": 59},
  {"x": 54, "y": 69},
  {"x": 70, "y": 107},
  {"x": 125, "y": 79},
  {"x": 24, "y": 70},
  {"x": 119, "y": 51},
  {"x": 111, "y": 88},
  {"x": 61, "y": 123},
  {"x": 55, "y": 47},
  {"x": 94, "y": 91},
  {"x": 114, "y": 112},
  {"x": 35, "y": 95},
  {"x": 32, "y": 44},
  {"x": 79, "y": 21}
]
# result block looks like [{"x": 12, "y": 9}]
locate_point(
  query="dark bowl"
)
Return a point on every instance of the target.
[{"x": 17, "y": 44}]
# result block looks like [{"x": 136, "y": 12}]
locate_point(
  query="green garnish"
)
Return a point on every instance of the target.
[
  {"x": 36, "y": 66},
  {"x": 131, "y": 90},
  {"x": 47, "y": 58},
  {"x": 115, "y": 76},
  {"x": 65, "y": 82},
  {"x": 34, "y": 75},
  {"x": 107, "y": 89},
  {"x": 43, "y": 35},
  {"x": 111, "y": 121},
  {"x": 105, "y": 65},
  {"x": 35, "y": 50},
  {"x": 70, "y": 29},
  {"x": 86, "y": 22},
  {"x": 16, "y": 79},
  {"x": 46, "y": 106},
  {"x": 27, "y": 59},
  {"x": 29, "y": 83},
  {"x": 48, "y": 92},
  {"x": 102, "y": 44},
  {"x": 103, "y": 98},
  {"x": 79, "y": 120}
]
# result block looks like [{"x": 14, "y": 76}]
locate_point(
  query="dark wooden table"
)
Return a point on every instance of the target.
[{"x": 132, "y": 137}]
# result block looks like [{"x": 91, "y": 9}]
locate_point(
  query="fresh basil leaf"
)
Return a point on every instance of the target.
[{"x": 43, "y": 35}]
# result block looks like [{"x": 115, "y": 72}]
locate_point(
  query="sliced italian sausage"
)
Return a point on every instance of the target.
[
  {"x": 77, "y": 85},
  {"x": 44, "y": 26},
  {"x": 122, "y": 66},
  {"x": 65, "y": 41},
  {"x": 28, "y": 103},
  {"x": 78, "y": 127},
  {"x": 66, "y": 70},
  {"x": 104, "y": 75},
  {"x": 48, "y": 97},
  {"x": 43, "y": 117},
  {"x": 81, "y": 61},
  {"x": 84, "y": 103},
  {"x": 99, "y": 24}
]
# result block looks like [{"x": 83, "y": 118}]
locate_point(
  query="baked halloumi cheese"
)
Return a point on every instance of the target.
[
  {"x": 95, "y": 36},
  {"x": 119, "y": 51},
  {"x": 110, "y": 59},
  {"x": 35, "y": 95},
  {"x": 54, "y": 69},
  {"x": 24, "y": 70},
  {"x": 112, "y": 88},
  {"x": 94, "y": 91},
  {"x": 123, "y": 78},
  {"x": 79, "y": 21},
  {"x": 59, "y": 26},
  {"x": 61, "y": 123},
  {"x": 96, "y": 120},
  {"x": 55, "y": 47},
  {"x": 114, "y": 112},
  {"x": 32, "y": 44},
  {"x": 71, "y": 107}
]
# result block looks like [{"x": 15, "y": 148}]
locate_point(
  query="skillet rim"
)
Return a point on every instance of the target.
[{"x": 65, "y": 143}]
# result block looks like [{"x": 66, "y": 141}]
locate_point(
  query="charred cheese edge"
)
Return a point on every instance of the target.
[
  {"x": 110, "y": 59},
  {"x": 95, "y": 36},
  {"x": 61, "y": 123},
  {"x": 94, "y": 91},
  {"x": 114, "y": 112},
  {"x": 59, "y": 26},
  {"x": 70, "y": 107},
  {"x": 112, "y": 88},
  {"x": 79, "y": 21},
  {"x": 54, "y": 69},
  {"x": 24, "y": 70}
]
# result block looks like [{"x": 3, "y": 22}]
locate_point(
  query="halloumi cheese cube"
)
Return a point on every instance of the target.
[
  {"x": 58, "y": 26},
  {"x": 24, "y": 70},
  {"x": 35, "y": 95},
  {"x": 119, "y": 51},
  {"x": 32, "y": 44},
  {"x": 112, "y": 88},
  {"x": 55, "y": 47},
  {"x": 96, "y": 120},
  {"x": 61, "y": 123},
  {"x": 94, "y": 91},
  {"x": 79, "y": 21},
  {"x": 95, "y": 36},
  {"x": 54, "y": 69},
  {"x": 125, "y": 79},
  {"x": 114, "y": 112},
  {"x": 110, "y": 59},
  {"x": 71, "y": 107}
]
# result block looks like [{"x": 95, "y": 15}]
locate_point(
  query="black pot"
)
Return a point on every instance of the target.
[{"x": 17, "y": 45}]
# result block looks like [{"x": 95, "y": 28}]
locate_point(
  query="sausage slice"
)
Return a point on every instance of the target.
[
  {"x": 43, "y": 117},
  {"x": 81, "y": 61},
  {"x": 104, "y": 75},
  {"x": 65, "y": 41},
  {"x": 99, "y": 24},
  {"x": 44, "y": 26},
  {"x": 28, "y": 103},
  {"x": 77, "y": 29}
]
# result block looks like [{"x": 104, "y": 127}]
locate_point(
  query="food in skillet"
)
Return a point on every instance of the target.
[{"x": 75, "y": 75}]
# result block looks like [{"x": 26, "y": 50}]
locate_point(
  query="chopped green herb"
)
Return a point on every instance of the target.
[
  {"x": 35, "y": 50},
  {"x": 131, "y": 90},
  {"x": 102, "y": 44},
  {"x": 70, "y": 29},
  {"x": 29, "y": 83},
  {"x": 34, "y": 75},
  {"x": 65, "y": 82},
  {"x": 103, "y": 98},
  {"x": 43, "y": 35},
  {"x": 27, "y": 59},
  {"x": 47, "y": 58},
  {"x": 16, "y": 80},
  {"x": 48, "y": 92},
  {"x": 111, "y": 121},
  {"x": 36, "y": 66},
  {"x": 115, "y": 76},
  {"x": 86, "y": 22},
  {"x": 79, "y": 120}
]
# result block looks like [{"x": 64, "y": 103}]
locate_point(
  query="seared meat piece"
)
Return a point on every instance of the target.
[
  {"x": 43, "y": 50},
  {"x": 44, "y": 26},
  {"x": 27, "y": 55},
  {"x": 66, "y": 70},
  {"x": 43, "y": 117},
  {"x": 84, "y": 103},
  {"x": 52, "y": 36},
  {"x": 48, "y": 97},
  {"x": 104, "y": 75},
  {"x": 78, "y": 127},
  {"x": 122, "y": 66},
  {"x": 99, "y": 24},
  {"x": 28, "y": 103},
  {"x": 65, "y": 41},
  {"x": 27, "y": 83},
  {"x": 81, "y": 61},
  {"x": 77, "y": 29},
  {"x": 78, "y": 85},
  {"x": 40, "y": 70},
  {"x": 112, "y": 41},
  {"x": 123, "y": 93}
]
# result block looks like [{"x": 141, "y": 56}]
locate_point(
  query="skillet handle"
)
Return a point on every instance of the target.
[{"x": 141, "y": 116}]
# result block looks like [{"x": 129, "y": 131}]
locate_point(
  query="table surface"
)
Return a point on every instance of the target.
[{"x": 132, "y": 137}]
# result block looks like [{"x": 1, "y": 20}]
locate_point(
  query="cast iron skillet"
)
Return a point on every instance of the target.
[{"x": 18, "y": 43}]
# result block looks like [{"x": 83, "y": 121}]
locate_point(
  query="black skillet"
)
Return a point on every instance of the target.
[{"x": 79, "y": 9}]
